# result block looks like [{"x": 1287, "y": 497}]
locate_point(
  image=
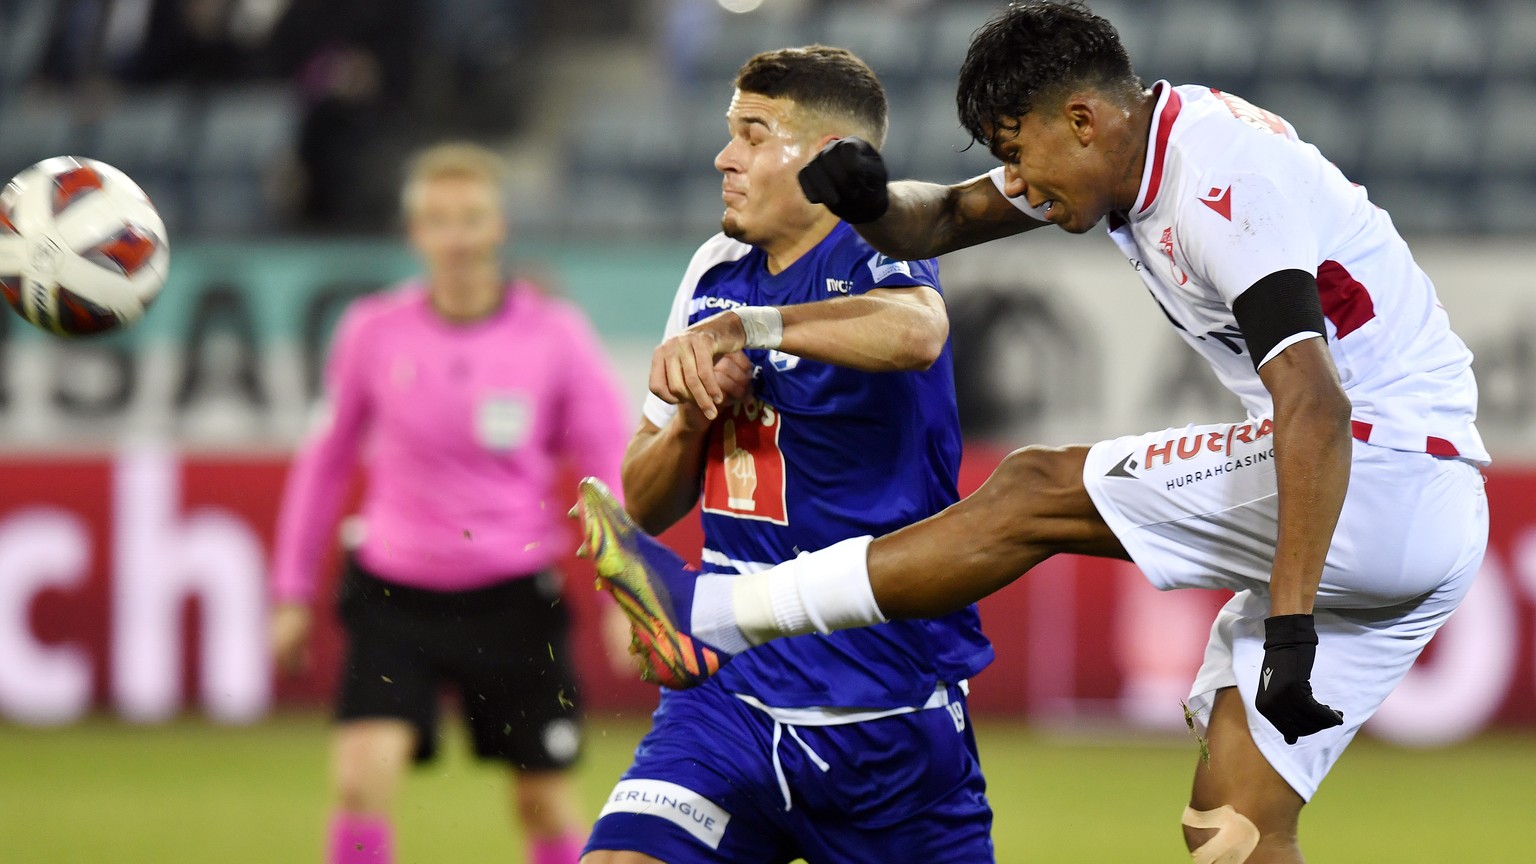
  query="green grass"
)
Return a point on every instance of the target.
[{"x": 191, "y": 792}]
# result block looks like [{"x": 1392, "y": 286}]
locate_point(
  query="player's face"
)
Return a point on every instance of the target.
[
  {"x": 769, "y": 145},
  {"x": 1052, "y": 158},
  {"x": 456, "y": 224}
]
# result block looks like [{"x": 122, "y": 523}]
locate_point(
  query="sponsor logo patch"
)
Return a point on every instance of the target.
[
  {"x": 705, "y": 304},
  {"x": 681, "y": 806},
  {"x": 1176, "y": 450},
  {"x": 882, "y": 268}
]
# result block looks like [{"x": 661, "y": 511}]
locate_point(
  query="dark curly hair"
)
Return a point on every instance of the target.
[
  {"x": 1034, "y": 52},
  {"x": 821, "y": 78}
]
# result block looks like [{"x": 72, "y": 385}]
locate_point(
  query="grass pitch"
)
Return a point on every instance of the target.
[{"x": 193, "y": 792}]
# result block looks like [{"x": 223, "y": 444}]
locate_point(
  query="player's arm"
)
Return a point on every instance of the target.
[
  {"x": 314, "y": 493},
  {"x": 1282, "y": 320},
  {"x": 1312, "y": 460},
  {"x": 663, "y": 468},
  {"x": 594, "y": 421},
  {"x": 926, "y": 220},
  {"x": 882, "y": 330},
  {"x": 908, "y": 219}
]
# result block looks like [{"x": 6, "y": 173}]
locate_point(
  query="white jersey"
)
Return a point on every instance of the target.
[{"x": 1229, "y": 195}]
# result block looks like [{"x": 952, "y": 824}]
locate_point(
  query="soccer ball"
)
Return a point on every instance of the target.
[{"x": 82, "y": 249}]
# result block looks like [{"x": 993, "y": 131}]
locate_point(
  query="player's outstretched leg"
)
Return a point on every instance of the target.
[
  {"x": 1241, "y": 810},
  {"x": 652, "y": 585},
  {"x": 1032, "y": 507}
]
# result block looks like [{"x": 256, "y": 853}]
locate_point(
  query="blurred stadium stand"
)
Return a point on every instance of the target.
[{"x": 1431, "y": 105}]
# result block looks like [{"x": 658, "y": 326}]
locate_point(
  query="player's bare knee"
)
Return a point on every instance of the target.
[
  {"x": 361, "y": 785},
  {"x": 1034, "y": 486},
  {"x": 541, "y": 811},
  {"x": 355, "y": 794},
  {"x": 1220, "y": 836}
]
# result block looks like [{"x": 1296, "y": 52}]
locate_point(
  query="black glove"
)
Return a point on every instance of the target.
[
  {"x": 1285, "y": 685},
  {"x": 849, "y": 177}
]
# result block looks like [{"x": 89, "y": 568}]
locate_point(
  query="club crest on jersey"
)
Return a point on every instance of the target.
[
  {"x": 1167, "y": 243},
  {"x": 1219, "y": 200},
  {"x": 502, "y": 421}
]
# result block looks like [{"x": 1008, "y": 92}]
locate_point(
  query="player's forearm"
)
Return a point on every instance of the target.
[
  {"x": 926, "y": 220},
  {"x": 1312, "y": 462},
  {"x": 663, "y": 470},
  {"x": 312, "y": 500},
  {"x": 920, "y": 217},
  {"x": 869, "y": 333}
]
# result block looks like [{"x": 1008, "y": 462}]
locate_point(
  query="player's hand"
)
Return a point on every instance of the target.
[
  {"x": 1285, "y": 680},
  {"x": 685, "y": 369},
  {"x": 849, "y": 177},
  {"x": 290, "y": 626}
]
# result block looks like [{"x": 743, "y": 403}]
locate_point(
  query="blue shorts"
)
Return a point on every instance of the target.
[{"x": 705, "y": 787}]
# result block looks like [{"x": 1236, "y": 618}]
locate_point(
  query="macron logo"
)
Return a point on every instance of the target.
[
  {"x": 681, "y": 806},
  {"x": 1219, "y": 200},
  {"x": 1267, "y": 673}
]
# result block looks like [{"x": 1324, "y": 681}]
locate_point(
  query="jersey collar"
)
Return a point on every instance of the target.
[{"x": 1164, "y": 113}]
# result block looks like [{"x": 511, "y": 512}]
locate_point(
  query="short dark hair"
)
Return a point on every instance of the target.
[
  {"x": 821, "y": 78},
  {"x": 1032, "y": 52}
]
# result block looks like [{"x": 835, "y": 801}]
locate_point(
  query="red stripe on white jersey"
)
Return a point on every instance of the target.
[
  {"x": 1164, "y": 123},
  {"x": 1361, "y": 431},
  {"x": 1345, "y": 301}
]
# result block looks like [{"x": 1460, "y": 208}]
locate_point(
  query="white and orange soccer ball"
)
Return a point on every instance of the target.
[{"x": 82, "y": 249}]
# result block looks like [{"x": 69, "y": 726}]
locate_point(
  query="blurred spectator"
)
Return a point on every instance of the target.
[
  {"x": 353, "y": 62},
  {"x": 89, "y": 39},
  {"x": 482, "y": 59},
  {"x": 203, "y": 41},
  {"x": 156, "y": 41}
]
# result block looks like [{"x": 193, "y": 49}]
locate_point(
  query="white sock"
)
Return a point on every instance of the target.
[
  {"x": 713, "y": 616},
  {"x": 817, "y": 592}
]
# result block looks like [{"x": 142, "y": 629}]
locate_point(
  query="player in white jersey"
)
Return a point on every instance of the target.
[{"x": 1346, "y": 512}]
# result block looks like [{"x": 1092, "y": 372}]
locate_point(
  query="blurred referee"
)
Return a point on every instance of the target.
[{"x": 466, "y": 391}]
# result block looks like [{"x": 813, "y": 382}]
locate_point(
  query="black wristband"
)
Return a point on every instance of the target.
[{"x": 1284, "y": 630}]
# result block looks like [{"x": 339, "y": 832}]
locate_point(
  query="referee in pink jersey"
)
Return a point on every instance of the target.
[{"x": 465, "y": 392}]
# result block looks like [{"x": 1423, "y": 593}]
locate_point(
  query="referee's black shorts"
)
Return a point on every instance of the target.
[{"x": 504, "y": 647}]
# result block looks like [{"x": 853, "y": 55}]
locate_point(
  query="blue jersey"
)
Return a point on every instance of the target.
[{"x": 823, "y": 453}]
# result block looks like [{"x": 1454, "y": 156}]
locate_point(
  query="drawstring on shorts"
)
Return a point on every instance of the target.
[{"x": 778, "y": 768}]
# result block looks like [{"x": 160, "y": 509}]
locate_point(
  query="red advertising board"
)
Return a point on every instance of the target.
[{"x": 136, "y": 584}]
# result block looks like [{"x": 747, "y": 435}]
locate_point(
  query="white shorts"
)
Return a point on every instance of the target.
[{"x": 1197, "y": 508}]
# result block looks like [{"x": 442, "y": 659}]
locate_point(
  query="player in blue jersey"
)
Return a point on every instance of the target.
[{"x": 831, "y": 415}]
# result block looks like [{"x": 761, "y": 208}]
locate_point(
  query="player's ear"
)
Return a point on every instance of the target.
[
  {"x": 823, "y": 140},
  {"x": 1082, "y": 116}
]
